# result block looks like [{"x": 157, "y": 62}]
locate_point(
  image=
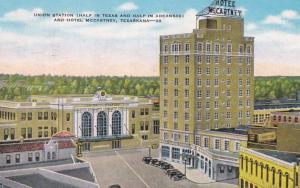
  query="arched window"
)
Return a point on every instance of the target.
[
  {"x": 287, "y": 180},
  {"x": 242, "y": 162},
  {"x": 251, "y": 167},
  {"x": 101, "y": 124},
  {"x": 280, "y": 178},
  {"x": 256, "y": 168},
  {"x": 116, "y": 123},
  {"x": 273, "y": 176},
  {"x": 86, "y": 124},
  {"x": 246, "y": 164},
  {"x": 267, "y": 173},
  {"x": 261, "y": 170}
]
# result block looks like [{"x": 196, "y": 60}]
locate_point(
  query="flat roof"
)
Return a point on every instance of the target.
[
  {"x": 232, "y": 131},
  {"x": 284, "y": 156}
]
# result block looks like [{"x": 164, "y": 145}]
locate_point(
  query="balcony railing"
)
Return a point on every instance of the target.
[{"x": 104, "y": 138}]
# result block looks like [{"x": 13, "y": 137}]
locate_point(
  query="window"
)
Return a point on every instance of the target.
[
  {"x": 176, "y": 71},
  {"x": 208, "y": 59},
  {"x": 165, "y": 59},
  {"x": 53, "y": 115},
  {"x": 186, "y": 104},
  {"x": 146, "y": 125},
  {"x": 237, "y": 146},
  {"x": 17, "y": 158},
  {"x": 165, "y": 151},
  {"x": 165, "y": 81},
  {"x": 207, "y": 93},
  {"x": 165, "y": 48},
  {"x": 175, "y": 153},
  {"x": 206, "y": 142},
  {"x": 216, "y": 60},
  {"x": 229, "y": 60},
  {"x": 156, "y": 126},
  {"x": 216, "y": 105},
  {"x": 23, "y": 116},
  {"x": 186, "y": 138},
  {"x": 48, "y": 155},
  {"x": 165, "y": 136},
  {"x": 23, "y": 132},
  {"x": 199, "y": 93},
  {"x": 187, "y": 82},
  {"x": 29, "y": 132},
  {"x": 46, "y": 134},
  {"x": 199, "y": 47},
  {"x": 187, "y": 47},
  {"x": 186, "y": 116},
  {"x": 199, "y": 104},
  {"x": 175, "y": 59},
  {"x": 229, "y": 48},
  {"x": 186, "y": 127},
  {"x": 222, "y": 169},
  {"x": 216, "y": 71},
  {"x": 142, "y": 126},
  {"x": 29, "y": 157},
  {"x": 217, "y": 144},
  {"x": 8, "y": 159},
  {"x": 175, "y": 104},
  {"x": 176, "y": 81},
  {"x": 187, "y": 59},
  {"x": 145, "y": 137},
  {"x": 226, "y": 145},
  {"x": 45, "y": 115},
  {"x": 197, "y": 142},
  {"x": 217, "y": 48},
  {"x": 199, "y": 59},
  {"x": 12, "y": 133},
  {"x": 199, "y": 82},
  {"x": 199, "y": 70},
  {"x": 40, "y": 115},
  {"x": 37, "y": 156},
  {"x": 146, "y": 111},
  {"x": 68, "y": 116},
  {"x": 6, "y": 134},
  {"x": 208, "y": 47},
  {"x": 29, "y": 116},
  {"x": 186, "y": 93}
]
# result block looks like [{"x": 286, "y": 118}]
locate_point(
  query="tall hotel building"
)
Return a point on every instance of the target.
[{"x": 207, "y": 79}]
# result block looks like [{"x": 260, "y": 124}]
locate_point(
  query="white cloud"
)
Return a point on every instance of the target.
[
  {"x": 21, "y": 15},
  {"x": 290, "y": 14},
  {"x": 251, "y": 27},
  {"x": 276, "y": 20},
  {"x": 127, "y": 6},
  {"x": 283, "y": 18}
]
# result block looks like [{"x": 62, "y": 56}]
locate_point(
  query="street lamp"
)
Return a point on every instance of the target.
[{"x": 185, "y": 157}]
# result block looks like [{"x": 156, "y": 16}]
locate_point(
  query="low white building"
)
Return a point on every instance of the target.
[{"x": 61, "y": 146}]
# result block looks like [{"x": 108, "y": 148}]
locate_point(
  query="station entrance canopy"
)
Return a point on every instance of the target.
[{"x": 221, "y": 8}]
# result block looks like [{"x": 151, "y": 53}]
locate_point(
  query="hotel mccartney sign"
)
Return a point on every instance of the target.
[{"x": 222, "y": 8}]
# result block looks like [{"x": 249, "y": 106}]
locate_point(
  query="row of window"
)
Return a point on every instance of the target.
[
  {"x": 260, "y": 118},
  {"x": 176, "y": 137},
  {"x": 143, "y": 111},
  {"x": 208, "y": 71},
  {"x": 165, "y": 152},
  {"x": 18, "y": 158},
  {"x": 209, "y": 93},
  {"x": 285, "y": 119},
  {"x": 265, "y": 172},
  {"x": 7, "y": 115},
  {"x": 207, "y": 47},
  {"x": 26, "y": 133},
  {"x": 42, "y": 116},
  {"x": 208, "y": 104},
  {"x": 208, "y": 59},
  {"x": 217, "y": 143}
]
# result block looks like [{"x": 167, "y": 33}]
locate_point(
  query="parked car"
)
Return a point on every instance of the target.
[
  {"x": 153, "y": 161},
  {"x": 172, "y": 172},
  {"x": 115, "y": 186},
  {"x": 157, "y": 164},
  {"x": 167, "y": 167},
  {"x": 147, "y": 160},
  {"x": 163, "y": 164},
  {"x": 178, "y": 177}
]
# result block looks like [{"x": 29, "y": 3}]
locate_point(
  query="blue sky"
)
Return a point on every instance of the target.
[{"x": 34, "y": 46}]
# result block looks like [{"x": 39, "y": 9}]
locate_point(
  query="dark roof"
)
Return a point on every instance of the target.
[
  {"x": 260, "y": 105},
  {"x": 233, "y": 131},
  {"x": 81, "y": 173},
  {"x": 284, "y": 156},
  {"x": 21, "y": 147},
  {"x": 37, "y": 181},
  {"x": 37, "y": 165}
]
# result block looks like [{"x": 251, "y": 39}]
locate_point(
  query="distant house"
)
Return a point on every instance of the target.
[{"x": 60, "y": 146}]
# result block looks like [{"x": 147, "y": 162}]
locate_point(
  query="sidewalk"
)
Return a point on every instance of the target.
[{"x": 196, "y": 176}]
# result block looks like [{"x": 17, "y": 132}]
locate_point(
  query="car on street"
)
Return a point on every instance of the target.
[
  {"x": 147, "y": 160},
  {"x": 153, "y": 161},
  {"x": 178, "y": 176}
]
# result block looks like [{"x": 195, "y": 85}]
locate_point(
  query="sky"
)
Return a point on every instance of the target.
[{"x": 36, "y": 45}]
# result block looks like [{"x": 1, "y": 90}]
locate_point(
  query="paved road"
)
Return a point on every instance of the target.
[{"x": 125, "y": 167}]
